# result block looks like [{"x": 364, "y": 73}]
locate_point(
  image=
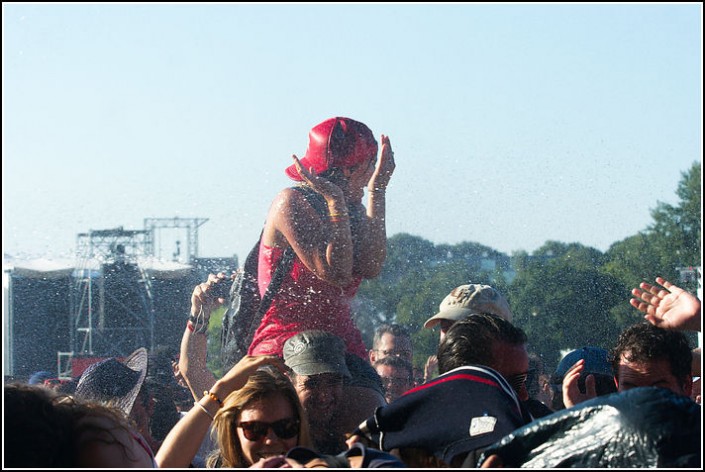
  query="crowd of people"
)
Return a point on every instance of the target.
[{"x": 310, "y": 394}]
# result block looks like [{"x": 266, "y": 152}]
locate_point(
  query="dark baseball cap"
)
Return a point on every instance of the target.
[
  {"x": 315, "y": 352},
  {"x": 596, "y": 362}
]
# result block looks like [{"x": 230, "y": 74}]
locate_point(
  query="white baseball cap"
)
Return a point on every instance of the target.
[{"x": 471, "y": 299}]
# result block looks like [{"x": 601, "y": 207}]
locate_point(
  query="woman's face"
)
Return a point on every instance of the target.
[
  {"x": 359, "y": 177},
  {"x": 256, "y": 416}
]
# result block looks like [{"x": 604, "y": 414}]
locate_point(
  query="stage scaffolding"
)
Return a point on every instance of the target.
[{"x": 112, "y": 304}]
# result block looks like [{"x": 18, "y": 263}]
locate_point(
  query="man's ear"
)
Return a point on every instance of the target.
[
  {"x": 688, "y": 386},
  {"x": 373, "y": 356}
]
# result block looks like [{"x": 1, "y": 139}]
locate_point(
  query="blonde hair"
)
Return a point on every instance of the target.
[{"x": 263, "y": 384}]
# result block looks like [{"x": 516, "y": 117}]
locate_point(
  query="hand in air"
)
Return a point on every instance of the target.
[
  {"x": 207, "y": 296},
  {"x": 237, "y": 376},
  {"x": 669, "y": 307},
  {"x": 385, "y": 167}
]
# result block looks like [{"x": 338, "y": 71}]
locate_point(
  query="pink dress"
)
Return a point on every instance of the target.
[{"x": 303, "y": 302}]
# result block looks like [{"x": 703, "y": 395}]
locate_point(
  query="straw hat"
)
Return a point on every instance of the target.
[{"x": 113, "y": 382}]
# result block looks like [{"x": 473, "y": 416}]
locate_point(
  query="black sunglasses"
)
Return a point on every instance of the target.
[
  {"x": 256, "y": 430},
  {"x": 517, "y": 381}
]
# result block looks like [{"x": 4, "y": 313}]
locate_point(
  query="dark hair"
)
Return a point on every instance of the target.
[
  {"x": 644, "y": 342},
  {"x": 160, "y": 385},
  {"x": 45, "y": 429},
  {"x": 396, "y": 362},
  {"x": 393, "y": 329},
  {"x": 470, "y": 341},
  {"x": 533, "y": 386}
]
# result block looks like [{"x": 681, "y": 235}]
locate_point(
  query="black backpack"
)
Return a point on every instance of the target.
[{"x": 245, "y": 306}]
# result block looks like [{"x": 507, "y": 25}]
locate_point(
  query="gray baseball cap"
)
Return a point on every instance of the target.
[
  {"x": 471, "y": 299},
  {"x": 315, "y": 352}
]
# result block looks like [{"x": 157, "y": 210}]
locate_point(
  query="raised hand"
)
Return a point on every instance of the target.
[
  {"x": 384, "y": 168},
  {"x": 237, "y": 376},
  {"x": 206, "y": 296},
  {"x": 430, "y": 369},
  {"x": 571, "y": 392},
  {"x": 320, "y": 184},
  {"x": 669, "y": 307}
]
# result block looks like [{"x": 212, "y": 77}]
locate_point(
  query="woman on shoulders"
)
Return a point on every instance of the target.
[{"x": 336, "y": 239}]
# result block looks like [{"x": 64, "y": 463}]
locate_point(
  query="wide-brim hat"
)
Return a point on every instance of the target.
[
  {"x": 461, "y": 411},
  {"x": 336, "y": 142},
  {"x": 113, "y": 382},
  {"x": 471, "y": 299}
]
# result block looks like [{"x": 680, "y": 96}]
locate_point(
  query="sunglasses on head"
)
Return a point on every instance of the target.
[{"x": 256, "y": 430}]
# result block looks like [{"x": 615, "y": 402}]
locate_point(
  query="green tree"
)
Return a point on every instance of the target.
[
  {"x": 562, "y": 299},
  {"x": 417, "y": 275},
  {"x": 672, "y": 241},
  {"x": 214, "y": 361},
  {"x": 408, "y": 263},
  {"x": 676, "y": 231}
]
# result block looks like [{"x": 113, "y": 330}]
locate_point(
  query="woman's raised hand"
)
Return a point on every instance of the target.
[
  {"x": 204, "y": 298},
  {"x": 385, "y": 167}
]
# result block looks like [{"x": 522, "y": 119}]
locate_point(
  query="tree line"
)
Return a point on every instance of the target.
[{"x": 563, "y": 295}]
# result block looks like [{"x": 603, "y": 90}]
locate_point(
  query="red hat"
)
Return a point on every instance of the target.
[{"x": 337, "y": 142}]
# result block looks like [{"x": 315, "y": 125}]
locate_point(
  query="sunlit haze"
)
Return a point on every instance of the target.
[{"x": 512, "y": 124}]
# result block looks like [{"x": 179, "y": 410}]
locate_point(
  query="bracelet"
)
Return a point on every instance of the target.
[
  {"x": 205, "y": 410},
  {"x": 213, "y": 397},
  {"x": 197, "y": 321},
  {"x": 202, "y": 330},
  {"x": 336, "y": 215},
  {"x": 197, "y": 328},
  {"x": 198, "y": 324},
  {"x": 335, "y": 219}
]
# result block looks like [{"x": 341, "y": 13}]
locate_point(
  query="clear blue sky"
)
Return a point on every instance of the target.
[{"x": 512, "y": 124}]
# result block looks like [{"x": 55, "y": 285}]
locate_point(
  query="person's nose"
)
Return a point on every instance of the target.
[{"x": 270, "y": 437}]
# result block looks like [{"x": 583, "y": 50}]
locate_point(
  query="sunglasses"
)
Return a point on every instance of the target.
[
  {"x": 256, "y": 430},
  {"x": 319, "y": 382},
  {"x": 517, "y": 381},
  {"x": 390, "y": 353}
]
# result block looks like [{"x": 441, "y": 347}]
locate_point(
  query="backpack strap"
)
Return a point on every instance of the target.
[{"x": 284, "y": 265}]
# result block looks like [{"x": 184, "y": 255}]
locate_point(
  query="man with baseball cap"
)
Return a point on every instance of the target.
[
  {"x": 466, "y": 300},
  {"x": 317, "y": 369},
  {"x": 595, "y": 364}
]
